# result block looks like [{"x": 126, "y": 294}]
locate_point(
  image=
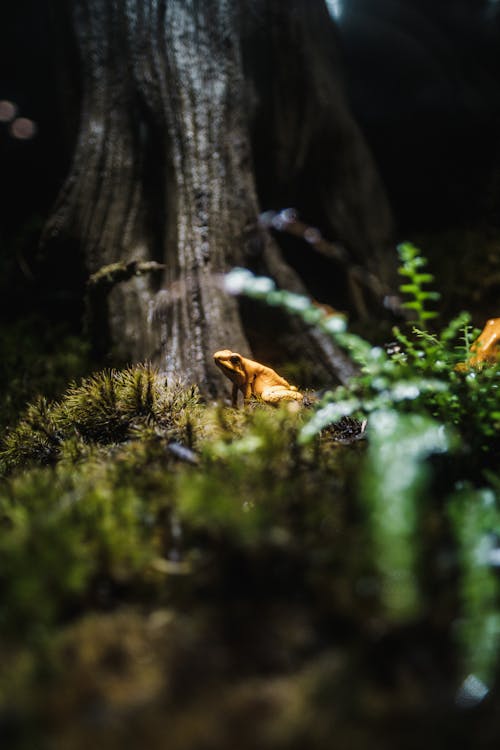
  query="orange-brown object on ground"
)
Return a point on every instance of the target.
[
  {"x": 485, "y": 349},
  {"x": 254, "y": 379},
  {"x": 327, "y": 309}
]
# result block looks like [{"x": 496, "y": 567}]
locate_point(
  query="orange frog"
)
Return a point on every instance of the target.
[
  {"x": 254, "y": 379},
  {"x": 485, "y": 349}
]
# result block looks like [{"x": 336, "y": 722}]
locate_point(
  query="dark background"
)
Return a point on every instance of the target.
[{"x": 423, "y": 80}]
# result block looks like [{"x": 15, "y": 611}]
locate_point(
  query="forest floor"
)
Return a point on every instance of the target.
[{"x": 180, "y": 574}]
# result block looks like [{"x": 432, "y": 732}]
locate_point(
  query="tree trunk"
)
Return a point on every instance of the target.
[{"x": 164, "y": 167}]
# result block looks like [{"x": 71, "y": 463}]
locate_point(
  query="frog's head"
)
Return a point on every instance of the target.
[{"x": 231, "y": 364}]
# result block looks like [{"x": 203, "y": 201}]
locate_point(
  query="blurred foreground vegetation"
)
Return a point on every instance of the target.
[{"x": 180, "y": 574}]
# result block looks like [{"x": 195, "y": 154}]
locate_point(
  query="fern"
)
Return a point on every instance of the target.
[
  {"x": 475, "y": 518},
  {"x": 411, "y": 264},
  {"x": 422, "y": 377},
  {"x": 394, "y": 478}
]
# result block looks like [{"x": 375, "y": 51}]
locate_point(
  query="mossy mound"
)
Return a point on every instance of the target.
[
  {"x": 180, "y": 573},
  {"x": 107, "y": 407}
]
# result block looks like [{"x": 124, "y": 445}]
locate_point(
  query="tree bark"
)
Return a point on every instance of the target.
[{"x": 164, "y": 168}]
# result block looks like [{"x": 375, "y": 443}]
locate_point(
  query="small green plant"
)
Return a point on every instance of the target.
[
  {"x": 420, "y": 375},
  {"x": 411, "y": 266}
]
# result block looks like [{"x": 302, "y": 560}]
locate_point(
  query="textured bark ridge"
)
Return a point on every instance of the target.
[{"x": 164, "y": 166}]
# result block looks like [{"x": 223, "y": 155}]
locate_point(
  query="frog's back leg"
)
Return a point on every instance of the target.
[{"x": 273, "y": 394}]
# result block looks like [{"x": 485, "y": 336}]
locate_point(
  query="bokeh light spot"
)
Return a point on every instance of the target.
[
  {"x": 335, "y": 8},
  {"x": 23, "y": 129},
  {"x": 8, "y": 111}
]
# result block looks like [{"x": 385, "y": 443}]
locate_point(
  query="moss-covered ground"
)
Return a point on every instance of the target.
[
  {"x": 176, "y": 573},
  {"x": 181, "y": 574}
]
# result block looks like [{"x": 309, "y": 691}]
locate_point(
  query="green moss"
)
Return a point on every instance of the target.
[
  {"x": 107, "y": 407},
  {"x": 261, "y": 543},
  {"x": 36, "y": 359},
  {"x": 64, "y": 535}
]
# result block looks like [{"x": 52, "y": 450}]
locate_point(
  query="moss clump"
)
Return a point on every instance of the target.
[
  {"x": 64, "y": 537},
  {"x": 37, "y": 357},
  {"x": 107, "y": 407}
]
